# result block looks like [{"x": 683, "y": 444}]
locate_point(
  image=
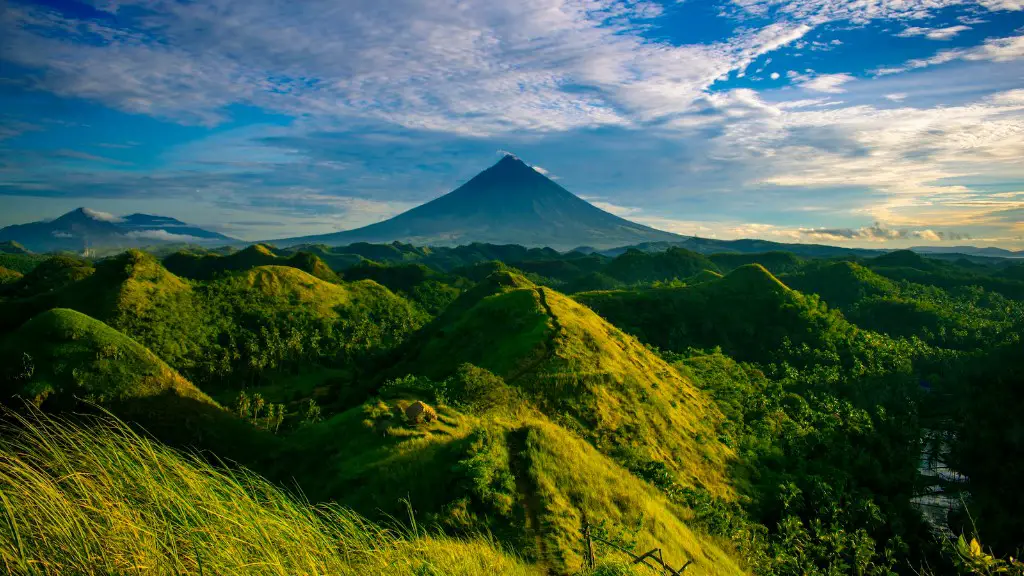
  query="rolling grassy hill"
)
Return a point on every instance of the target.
[
  {"x": 237, "y": 326},
  {"x": 637, "y": 267},
  {"x": 8, "y": 276},
  {"x": 207, "y": 266},
  {"x": 580, "y": 370},
  {"x": 51, "y": 274},
  {"x": 513, "y": 474},
  {"x": 748, "y": 313},
  {"x": 841, "y": 284},
  {"x": 62, "y": 353},
  {"x": 65, "y": 360}
]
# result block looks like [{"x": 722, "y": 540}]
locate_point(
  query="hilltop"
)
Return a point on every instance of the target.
[
  {"x": 512, "y": 474},
  {"x": 509, "y": 202},
  {"x": 234, "y": 326},
  {"x": 209, "y": 266},
  {"x": 748, "y": 312},
  {"x": 62, "y": 353},
  {"x": 572, "y": 363},
  {"x": 842, "y": 284}
]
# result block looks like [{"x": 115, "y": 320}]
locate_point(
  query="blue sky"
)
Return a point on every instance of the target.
[{"x": 862, "y": 123}]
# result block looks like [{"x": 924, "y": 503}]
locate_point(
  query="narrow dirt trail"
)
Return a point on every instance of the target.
[{"x": 526, "y": 488}]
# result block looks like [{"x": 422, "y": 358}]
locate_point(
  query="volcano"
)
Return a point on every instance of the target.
[{"x": 508, "y": 203}]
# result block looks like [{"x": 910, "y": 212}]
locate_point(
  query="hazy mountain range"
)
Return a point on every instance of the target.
[
  {"x": 508, "y": 203},
  {"x": 84, "y": 229}
]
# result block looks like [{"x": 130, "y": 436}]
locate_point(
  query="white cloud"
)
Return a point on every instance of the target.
[
  {"x": 877, "y": 232},
  {"x": 474, "y": 67},
  {"x": 896, "y": 97},
  {"x": 162, "y": 236},
  {"x": 623, "y": 211},
  {"x": 934, "y": 33},
  {"x": 827, "y": 83},
  {"x": 992, "y": 50},
  {"x": 1010, "y": 5},
  {"x": 774, "y": 76},
  {"x": 97, "y": 215},
  {"x": 1010, "y": 97},
  {"x": 862, "y": 12}
]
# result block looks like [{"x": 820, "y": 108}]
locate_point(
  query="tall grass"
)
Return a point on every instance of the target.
[{"x": 101, "y": 499}]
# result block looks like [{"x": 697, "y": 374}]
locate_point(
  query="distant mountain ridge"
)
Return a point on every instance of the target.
[
  {"x": 508, "y": 203},
  {"x": 85, "y": 229},
  {"x": 970, "y": 251}
]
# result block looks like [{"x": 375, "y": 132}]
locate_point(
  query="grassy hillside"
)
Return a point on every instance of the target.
[
  {"x": 636, "y": 267},
  {"x": 774, "y": 262},
  {"x": 430, "y": 289},
  {"x": 52, "y": 274},
  {"x": 841, "y": 284},
  {"x": 912, "y": 267},
  {"x": 8, "y": 276},
  {"x": 62, "y": 353},
  {"x": 12, "y": 247},
  {"x": 703, "y": 276},
  {"x": 957, "y": 317},
  {"x": 512, "y": 474},
  {"x": 206, "y": 266},
  {"x": 167, "y": 513},
  {"x": 237, "y": 327},
  {"x": 580, "y": 370},
  {"x": 749, "y": 313}
]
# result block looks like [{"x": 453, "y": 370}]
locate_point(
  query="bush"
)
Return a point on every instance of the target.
[{"x": 478, "y": 390}]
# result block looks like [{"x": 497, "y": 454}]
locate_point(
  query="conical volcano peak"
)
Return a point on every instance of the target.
[
  {"x": 511, "y": 164},
  {"x": 510, "y": 202}
]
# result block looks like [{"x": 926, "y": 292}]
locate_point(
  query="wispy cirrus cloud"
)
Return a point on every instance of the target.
[
  {"x": 993, "y": 50},
  {"x": 946, "y": 33}
]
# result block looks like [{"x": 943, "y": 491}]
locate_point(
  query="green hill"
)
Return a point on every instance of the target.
[
  {"x": 51, "y": 274},
  {"x": 206, "y": 266},
  {"x": 514, "y": 475},
  {"x": 749, "y": 313},
  {"x": 62, "y": 353},
  {"x": 62, "y": 357},
  {"x": 906, "y": 259},
  {"x": 841, "y": 284},
  {"x": 8, "y": 276},
  {"x": 237, "y": 327},
  {"x": 637, "y": 267},
  {"x": 580, "y": 370},
  {"x": 429, "y": 288},
  {"x": 12, "y": 247},
  {"x": 774, "y": 262},
  {"x": 703, "y": 276}
]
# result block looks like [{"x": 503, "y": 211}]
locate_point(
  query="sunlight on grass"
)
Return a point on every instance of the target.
[{"x": 100, "y": 499}]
